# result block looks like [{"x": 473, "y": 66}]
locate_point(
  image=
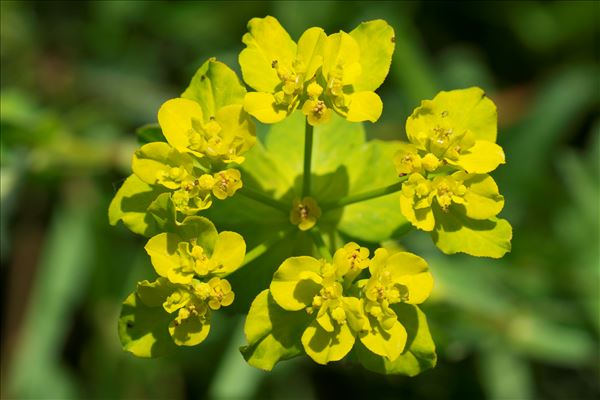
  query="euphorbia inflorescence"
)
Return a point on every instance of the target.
[
  {"x": 342, "y": 309},
  {"x": 325, "y": 298},
  {"x": 318, "y": 74},
  {"x": 448, "y": 189}
]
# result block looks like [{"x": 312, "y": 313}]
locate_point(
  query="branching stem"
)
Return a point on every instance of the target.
[
  {"x": 308, "y": 144},
  {"x": 357, "y": 198},
  {"x": 264, "y": 199},
  {"x": 265, "y": 246}
]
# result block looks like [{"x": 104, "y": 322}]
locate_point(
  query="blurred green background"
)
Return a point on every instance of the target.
[{"x": 78, "y": 78}]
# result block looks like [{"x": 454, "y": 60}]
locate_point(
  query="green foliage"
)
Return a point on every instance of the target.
[
  {"x": 214, "y": 86},
  {"x": 142, "y": 330},
  {"x": 131, "y": 203},
  {"x": 273, "y": 333},
  {"x": 341, "y": 167},
  {"x": 150, "y": 133}
]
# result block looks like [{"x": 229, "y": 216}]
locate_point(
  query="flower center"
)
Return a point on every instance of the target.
[
  {"x": 292, "y": 82},
  {"x": 449, "y": 190},
  {"x": 305, "y": 213}
]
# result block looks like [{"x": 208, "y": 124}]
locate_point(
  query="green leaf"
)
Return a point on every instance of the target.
[
  {"x": 150, "y": 133},
  {"x": 378, "y": 219},
  {"x": 201, "y": 230},
  {"x": 454, "y": 232},
  {"x": 261, "y": 173},
  {"x": 189, "y": 332},
  {"x": 143, "y": 330},
  {"x": 333, "y": 142},
  {"x": 376, "y": 42},
  {"x": 250, "y": 280},
  {"x": 164, "y": 213},
  {"x": 419, "y": 353},
  {"x": 213, "y": 86},
  {"x": 273, "y": 334},
  {"x": 130, "y": 205},
  {"x": 342, "y": 164},
  {"x": 154, "y": 294}
]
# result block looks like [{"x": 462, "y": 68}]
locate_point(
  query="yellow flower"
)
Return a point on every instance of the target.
[
  {"x": 458, "y": 127},
  {"x": 305, "y": 213},
  {"x": 225, "y": 136},
  {"x": 319, "y": 74},
  {"x": 277, "y": 68}
]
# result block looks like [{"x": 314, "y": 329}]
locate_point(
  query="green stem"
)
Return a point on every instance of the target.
[
  {"x": 264, "y": 199},
  {"x": 308, "y": 144},
  {"x": 321, "y": 246},
  {"x": 265, "y": 246},
  {"x": 357, "y": 198}
]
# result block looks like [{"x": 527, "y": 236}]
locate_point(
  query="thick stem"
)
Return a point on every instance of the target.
[
  {"x": 265, "y": 246},
  {"x": 357, "y": 198},
  {"x": 264, "y": 199},
  {"x": 315, "y": 233},
  {"x": 308, "y": 144}
]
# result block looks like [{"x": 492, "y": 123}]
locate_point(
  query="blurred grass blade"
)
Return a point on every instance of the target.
[
  {"x": 235, "y": 379},
  {"x": 559, "y": 105},
  {"x": 410, "y": 65},
  {"x": 60, "y": 283},
  {"x": 551, "y": 342},
  {"x": 505, "y": 375}
]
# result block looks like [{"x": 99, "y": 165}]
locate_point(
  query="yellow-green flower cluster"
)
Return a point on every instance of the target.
[
  {"x": 448, "y": 190},
  {"x": 354, "y": 301},
  {"x": 191, "y": 186},
  {"x": 319, "y": 74},
  {"x": 342, "y": 305},
  {"x": 191, "y": 266},
  {"x": 206, "y": 134}
]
